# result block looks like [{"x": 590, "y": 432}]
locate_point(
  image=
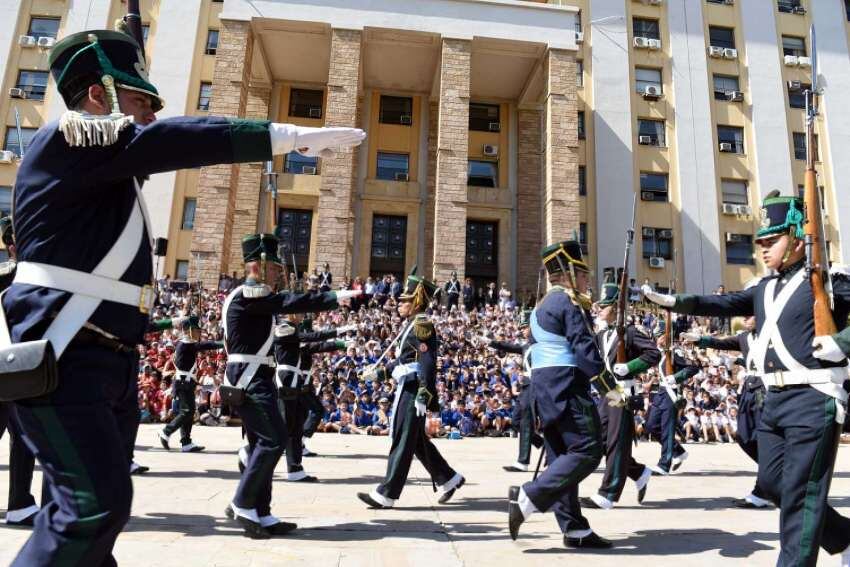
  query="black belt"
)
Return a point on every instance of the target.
[{"x": 87, "y": 337}]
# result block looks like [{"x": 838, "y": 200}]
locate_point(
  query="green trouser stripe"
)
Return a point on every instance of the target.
[
  {"x": 74, "y": 472},
  {"x": 619, "y": 457},
  {"x": 813, "y": 489}
]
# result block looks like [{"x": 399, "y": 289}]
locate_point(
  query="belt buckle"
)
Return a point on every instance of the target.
[
  {"x": 780, "y": 379},
  {"x": 146, "y": 299}
]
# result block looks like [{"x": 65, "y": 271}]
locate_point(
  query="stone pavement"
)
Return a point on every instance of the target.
[{"x": 178, "y": 515}]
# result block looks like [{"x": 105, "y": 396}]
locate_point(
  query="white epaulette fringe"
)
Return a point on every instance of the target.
[{"x": 83, "y": 129}]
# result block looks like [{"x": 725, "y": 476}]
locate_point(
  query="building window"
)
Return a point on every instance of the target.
[
  {"x": 724, "y": 84},
  {"x": 12, "y": 144},
  {"x": 721, "y": 37},
  {"x": 795, "y": 46},
  {"x": 294, "y": 230},
  {"x": 482, "y": 252},
  {"x": 389, "y": 244},
  {"x": 800, "y": 146},
  {"x": 657, "y": 242},
  {"x": 732, "y": 135},
  {"x": 5, "y": 200},
  {"x": 579, "y": 73},
  {"x": 847, "y": 9},
  {"x": 652, "y": 133},
  {"x": 645, "y": 77},
  {"x": 396, "y": 110},
  {"x": 43, "y": 27},
  {"x": 789, "y": 6},
  {"x": 578, "y": 22},
  {"x": 296, "y": 163},
  {"x": 739, "y": 249},
  {"x": 181, "y": 271},
  {"x": 797, "y": 96},
  {"x": 581, "y": 130},
  {"x": 204, "y": 96},
  {"x": 582, "y": 238},
  {"x": 582, "y": 181},
  {"x": 484, "y": 117},
  {"x": 642, "y": 27},
  {"x": 189, "y": 205},
  {"x": 393, "y": 167},
  {"x": 305, "y": 103},
  {"x": 212, "y": 42},
  {"x": 34, "y": 83},
  {"x": 653, "y": 187},
  {"x": 482, "y": 173},
  {"x": 734, "y": 192}
]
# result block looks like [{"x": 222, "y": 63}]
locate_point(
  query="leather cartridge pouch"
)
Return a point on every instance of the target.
[
  {"x": 234, "y": 396},
  {"x": 27, "y": 370}
]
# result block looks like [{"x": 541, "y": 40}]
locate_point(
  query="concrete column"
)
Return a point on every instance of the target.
[
  {"x": 529, "y": 191},
  {"x": 450, "y": 196},
  {"x": 433, "y": 127},
  {"x": 560, "y": 148},
  {"x": 246, "y": 205},
  {"x": 336, "y": 220},
  {"x": 211, "y": 237}
]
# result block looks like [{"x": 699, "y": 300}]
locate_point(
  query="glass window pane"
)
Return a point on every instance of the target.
[
  {"x": 396, "y": 110},
  {"x": 11, "y": 144},
  {"x": 795, "y": 46},
  {"x": 724, "y": 84},
  {"x": 189, "y": 214},
  {"x": 647, "y": 77},
  {"x": 582, "y": 180},
  {"x": 721, "y": 37},
  {"x": 182, "y": 271},
  {"x": 43, "y": 27},
  {"x": 212, "y": 42},
  {"x": 34, "y": 83},
  {"x": 390, "y": 165},
  {"x": 482, "y": 173},
  {"x": 5, "y": 200},
  {"x": 295, "y": 163},
  {"x": 732, "y": 135},
  {"x": 654, "y": 129},
  {"x": 739, "y": 249},
  {"x": 204, "y": 96},
  {"x": 306, "y": 103},
  {"x": 484, "y": 117},
  {"x": 734, "y": 192},
  {"x": 646, "y": 28}
]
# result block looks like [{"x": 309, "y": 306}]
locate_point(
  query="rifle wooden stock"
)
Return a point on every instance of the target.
[{"x": 668, "y": 343}]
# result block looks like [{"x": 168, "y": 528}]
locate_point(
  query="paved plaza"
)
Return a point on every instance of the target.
[{"x": 178, "y": 517}]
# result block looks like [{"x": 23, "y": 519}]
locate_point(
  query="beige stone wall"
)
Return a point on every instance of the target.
[
  {"x": 334, "y": 244},
  {"x": 433, "y": 126},
  {"x": 452, "y": 147},
  {"x": 561, "y": 214},
  {"x": 529, "y": 196},
  {"x": 217, "y": 185}
]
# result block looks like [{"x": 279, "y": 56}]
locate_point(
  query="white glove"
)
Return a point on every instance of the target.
[
  {"x": 485, "y": 341},
  {"x": 827, "y": 349},
  {"x": 616, "y": 398},
  {"x": 621, "y": 370},
  {"x": 690, "y": 337},
  {"x": 669, "y": 380},
  {"x": 600, "y": 324},
  {"x": 661, "y": 299},
  {"x": 420, "y": 408},
  {"x": 312, "y": 142},
  {"x": 347, "y": 329},
  {"x": 347, "y": 293}
]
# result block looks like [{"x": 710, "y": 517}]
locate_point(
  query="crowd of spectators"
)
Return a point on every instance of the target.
[{"x": 477, "y": 386}]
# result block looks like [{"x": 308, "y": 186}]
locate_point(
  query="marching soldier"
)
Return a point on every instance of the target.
[
  {"x": 618, "y": 401},
  {"x": 326, "y": 279},
  {"x": 751, "y": 396},
  {"x": 415, "y": 371},
  {"x": 248, "y": 318},
  {"x": 185, "y": 382},
  {"x": 523, "y": 416},
  {"x": 90, "y": 295},
  {"x": 452, "y": 289},
  {"x": 564, "y": 357},
  {"x": 805, "y": 403}
]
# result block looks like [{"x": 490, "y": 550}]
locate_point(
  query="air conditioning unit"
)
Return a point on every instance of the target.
[
  {"x": 647, "y": 196},
  {"x": 795, "y": 85},
  {"x": 405, "y": 119},
  {"x": 792, "y": 60},
  {"x": 656, "y": 262},
  {"x": 654, "y": 44},
  {"x": 645, "y": 140},
  {"x": 315, "y": 112},
  {"x": 804, "y": 61},
  {"x": 491, "y": 150},
  {"x": 666, "y": 234},
  {"x": 714, "y": 51},
  {"x": 726, "y": 147},
  {"x": 308, "y": 170},
  {"x": 648, "y": 232},
  {"x": 730, "y": 209},
  {"x": 27, "y": 41},
  {"x": 730, "y": 53},
  {"x": 652, "y": 91},
  {"x": 745, "y": 210},
  {"x": 46, "y": 42},
  {"x": 15, "y": 92},
  {"x": 729, "y": 2},
  {"x": 799, "y": 10},
  {"x": 735, "y": 96},
  {"x": 579, "y": 37},
  {"x": 653, "y": 2},
  {"x": 402, "y": 176},
  {"x": 641, "y": 42},
  {"x": 735, "y": 237},
  {"x": 494, "y": 126},
  {"x": 7, "y": 156}
]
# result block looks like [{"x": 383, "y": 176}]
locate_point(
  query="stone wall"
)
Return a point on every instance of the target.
[{"x": 529, "y": 200}]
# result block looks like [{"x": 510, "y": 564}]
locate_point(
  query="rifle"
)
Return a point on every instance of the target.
[
  {"x": 133, "y": 20},
  {"x": 622, "y": 299},
  {"x": 817, "y": 259}
]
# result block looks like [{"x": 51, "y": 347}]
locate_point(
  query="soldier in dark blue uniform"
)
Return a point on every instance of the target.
[
  {"x": 415, "y": 371},
  {"x": 248, "y": 317},
  {"x": 564, "y": 357},
  {"x": 750, "y": 400},
  {"x": 452, "y": 289},
  {"x": 618, "y": 401},
  {"x": 89, "y": 295},
  {"x": 804, "y": 374},
  {"x": 523, "y": 416},
  {"x": 185, "y": 381}
]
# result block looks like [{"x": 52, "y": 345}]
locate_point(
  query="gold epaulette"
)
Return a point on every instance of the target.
[{"x": 423, "y": 327}]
